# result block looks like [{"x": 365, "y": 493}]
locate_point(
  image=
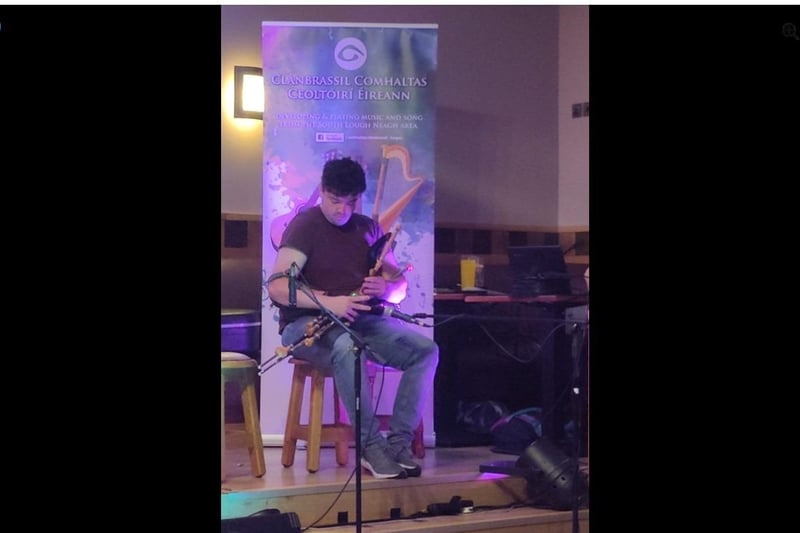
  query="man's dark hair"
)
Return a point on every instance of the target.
[{"x": 343, "y": 177}]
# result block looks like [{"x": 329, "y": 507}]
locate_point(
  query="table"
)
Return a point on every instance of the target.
[{"x": 474, "y": 332}]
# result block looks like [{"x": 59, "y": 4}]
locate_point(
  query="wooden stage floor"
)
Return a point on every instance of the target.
[{"x": 326, "y": 500}]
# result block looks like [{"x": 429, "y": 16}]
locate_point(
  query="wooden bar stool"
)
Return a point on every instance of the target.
[
  {"x": 237, "y": 367},
  {"x": 315, "y": 432}
]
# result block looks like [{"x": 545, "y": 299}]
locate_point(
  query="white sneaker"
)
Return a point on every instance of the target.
[
  {"x": 377, "y": 461},
  {"x": 405, "y": 459}
]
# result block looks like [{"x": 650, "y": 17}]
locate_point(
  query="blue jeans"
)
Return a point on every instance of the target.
[{"x": 388, "y": 341}]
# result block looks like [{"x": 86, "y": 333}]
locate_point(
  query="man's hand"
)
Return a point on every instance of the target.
[
  {"x": 373, "y": 286},
  {"x": 347, "y": 307}
]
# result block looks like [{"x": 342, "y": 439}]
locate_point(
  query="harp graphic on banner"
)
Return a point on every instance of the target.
[{"x": 388, "y": 217}]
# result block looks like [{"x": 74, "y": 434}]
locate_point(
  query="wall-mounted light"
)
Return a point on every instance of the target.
[{"x": 248, "y": 92}]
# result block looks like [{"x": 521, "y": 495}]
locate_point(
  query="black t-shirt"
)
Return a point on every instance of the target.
[{"x": 338, "y": 257}]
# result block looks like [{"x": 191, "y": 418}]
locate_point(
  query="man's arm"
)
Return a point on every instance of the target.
[
  {"x": 278, "y": 287},
  {"x": 346, "y": 307}
]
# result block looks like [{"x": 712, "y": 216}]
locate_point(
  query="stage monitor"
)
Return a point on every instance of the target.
[{"x": 268, "y": 520}]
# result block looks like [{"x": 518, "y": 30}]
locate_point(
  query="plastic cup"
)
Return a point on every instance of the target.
[{"x": 468, "y": 268}]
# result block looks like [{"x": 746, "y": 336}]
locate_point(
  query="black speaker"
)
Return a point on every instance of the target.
[
  {"x": 553, "y": 475},
  {"x": 268, "y": 521}
]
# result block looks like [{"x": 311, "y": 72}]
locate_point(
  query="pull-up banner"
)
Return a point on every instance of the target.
[{"x": 360, "y": 90}]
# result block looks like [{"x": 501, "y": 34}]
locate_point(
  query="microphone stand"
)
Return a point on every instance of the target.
[
  {"x": 577, "y": 328},
  {"x": 358, "y": 346}
]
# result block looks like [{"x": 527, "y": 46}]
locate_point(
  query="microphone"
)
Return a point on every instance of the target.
[
  {"x": 387, "y": 310},
  {"x": 293, "y": 285}
]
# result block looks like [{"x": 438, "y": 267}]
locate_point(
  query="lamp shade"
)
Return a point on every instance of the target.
[{"x": 248, "y": 92}]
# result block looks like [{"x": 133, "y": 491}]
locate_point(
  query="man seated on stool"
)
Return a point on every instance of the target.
[{"x": 330, "y": 245}]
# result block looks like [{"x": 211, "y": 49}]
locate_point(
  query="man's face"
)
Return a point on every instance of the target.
[{"x": 338, "y": 209}]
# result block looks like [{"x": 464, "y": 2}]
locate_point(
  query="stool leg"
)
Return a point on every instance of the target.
[
  {"x": 253, "y": 425},
  {"x": 315, "y": 421},
  {"x": 293, "y": 417},
  {"x": 418, "y": 444}
]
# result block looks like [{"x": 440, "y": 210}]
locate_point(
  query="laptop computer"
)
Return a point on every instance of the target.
[{"x": 538, "y": 270}]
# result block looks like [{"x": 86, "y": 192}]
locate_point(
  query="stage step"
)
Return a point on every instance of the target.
[
  {"x": 513, "y": 520},
  {"x": 327, "y": 498}
]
